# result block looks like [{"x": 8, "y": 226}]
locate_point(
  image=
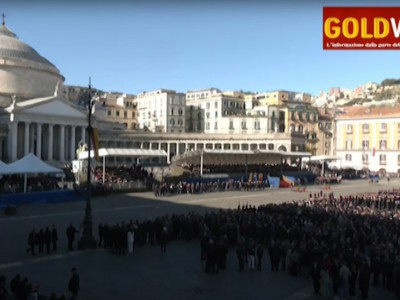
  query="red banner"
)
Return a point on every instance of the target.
[{"x": 361, "y": 28}]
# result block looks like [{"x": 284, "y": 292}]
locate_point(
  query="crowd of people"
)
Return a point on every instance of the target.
[
  {"x": 343, "y": 243},
  {"x": 120, "y": 174},
  {"x": 12, "y": 184},
  {"x": 45, "y": 240},
  {"x": 197, "y": 186}
]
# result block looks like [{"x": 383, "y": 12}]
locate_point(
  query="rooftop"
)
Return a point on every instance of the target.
[{"x": 360, "y": 112}]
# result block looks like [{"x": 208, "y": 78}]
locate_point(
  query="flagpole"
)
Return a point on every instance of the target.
[{"x": 87, "y": 240}]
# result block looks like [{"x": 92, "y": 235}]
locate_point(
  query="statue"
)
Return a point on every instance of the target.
[{"x": 82, "y": 147}]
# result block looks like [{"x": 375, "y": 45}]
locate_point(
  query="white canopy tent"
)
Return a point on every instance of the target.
[
  {"x": 124, "y": 152},
  {"x": 323, "y": 158},
  {"x": 30, "y": 164},
  {"x": 4, "y": 168},
  {"x": 227, "y": 157}
]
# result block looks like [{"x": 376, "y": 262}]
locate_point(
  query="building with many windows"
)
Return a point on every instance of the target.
[
  {"x": 161, "y": 111},
  {"x": 369, "y": 138}
]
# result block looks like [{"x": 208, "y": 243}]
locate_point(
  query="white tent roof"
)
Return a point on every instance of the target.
[
  {"x": 31, "y": 164},
  {"x": 4, "y": 168},
  {"x": 324, "y": 157},
  {"x": 229, "y": 157},
  {"x": 124, "y": 152}
]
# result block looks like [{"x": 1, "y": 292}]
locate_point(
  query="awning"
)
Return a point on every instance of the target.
[
  {"x": 324, "y": 158},
  {"x": 140, "y": 153}
]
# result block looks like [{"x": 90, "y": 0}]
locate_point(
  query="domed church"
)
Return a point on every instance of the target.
[{"x": 34, "y": 118}]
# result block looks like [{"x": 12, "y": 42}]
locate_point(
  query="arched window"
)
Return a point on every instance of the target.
[{"x": 172, "y": 122}]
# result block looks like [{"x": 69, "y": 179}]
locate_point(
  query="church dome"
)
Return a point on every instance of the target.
[{"x": 23, "y": 71}]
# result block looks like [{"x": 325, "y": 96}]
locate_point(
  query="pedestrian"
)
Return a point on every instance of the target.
[
  {"x": 260, "y": 253},
  {"x": 73, "y": 284},
  {"x": 54, "y": 237},
  {"x": 71, "y": 231},
  {"x": 32, "y": 240},
  {"x": 101, "y": 234},
  {"x": 131, "y": 240},
  {"x": 163, "y": 239},
  {"x": 47, "y": 239},
  {"x": 40, "y": 240}
]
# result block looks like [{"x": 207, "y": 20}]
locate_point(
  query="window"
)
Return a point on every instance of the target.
[
  {"x": 133, "y": 114},
  {"x": 208, "y": 115},
  {"x": 382, "y": 144},
  {"x": 349, "y": 144},
  {"x": 208, "y": 105},
  {"x": 172, "y": 122},
  {"x": 382, "y": 159},
  {"x": 349, "y": 128},
  {"x": 257, "y": 125},
  {"x": 365, "y": 144},
  {"x": 383, "y": 127},
  {"x": 270, "y": 146},
  {"x": 365, "y": 128},
  {"x": 180, "y": 122},
  {"x": 216, "y": 114},
  {"x": 231, "y": 124},
  {"x": 348, "y": 157},
  {"x": 172, "y": 111},
  {"x": 291, "y": 128},
  {"x": 216, "y": 125},
  {"x": 216, "y": 104},
  {"x": 244, "y": 125},
  {"x": 117, "y": 113},
  {"x": 180, "y": 112},
  {"x": 125, "y": 114},
  {"x": 109, "y": 112},
  {"x": 365, "y": 158},
  {"x": 208, "y": 125}
]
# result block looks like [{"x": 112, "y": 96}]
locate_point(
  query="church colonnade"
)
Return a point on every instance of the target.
[{"x": 48, "y": 141}]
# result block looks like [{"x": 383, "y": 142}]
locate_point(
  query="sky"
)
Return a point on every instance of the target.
[{"x": 135, "y": 46}]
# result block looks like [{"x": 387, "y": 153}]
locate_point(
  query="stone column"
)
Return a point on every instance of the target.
[
  {"x": 72, "y": 149},
  {"x": 62, "y": 142},
  {"x": 26, "y": 138},
  {"x": 50, "y": 143},
  {"x": 39, "y": 140},
  {"x": 168, "y": 152},
  {"x": 13, "y": 141}
]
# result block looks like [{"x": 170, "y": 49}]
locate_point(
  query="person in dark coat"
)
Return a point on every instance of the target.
[
  {"x": 163, "y": 239},
  {"x": 260, "y": 253},
  {"x": 47, "y": 239},
  {"x": 32, "y": 241},
  {"x": 40, "y": 240},
  {"x": 73, "y": 284},
  {"x": 316, "y": 276},
  {"x": 54, "y": 237},
  {"x": 364, "y": 277},
  {"x": 71, "y": 231}
]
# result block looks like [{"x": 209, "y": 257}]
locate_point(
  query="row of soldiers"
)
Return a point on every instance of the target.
[{"x": 43, "y": 239}]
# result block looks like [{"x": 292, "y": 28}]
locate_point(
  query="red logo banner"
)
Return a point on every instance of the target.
[{"x": 361, "y": 28}]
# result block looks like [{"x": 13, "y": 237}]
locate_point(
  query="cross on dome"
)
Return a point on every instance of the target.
[{"x": 3, "y": 16}]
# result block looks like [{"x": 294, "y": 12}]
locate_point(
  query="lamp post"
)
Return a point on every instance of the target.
[{"x": 87, "y": 240}]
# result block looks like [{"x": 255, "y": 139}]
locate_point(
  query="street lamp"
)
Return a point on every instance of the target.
[{"x": 87, "y": 240}]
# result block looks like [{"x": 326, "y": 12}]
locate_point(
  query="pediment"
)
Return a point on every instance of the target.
[{"x": 53, "y": 108}]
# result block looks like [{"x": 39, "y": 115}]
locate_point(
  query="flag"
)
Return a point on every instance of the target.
[
  {"x": 95, "y": 142},
  {"x": 373, "y": 151}
]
